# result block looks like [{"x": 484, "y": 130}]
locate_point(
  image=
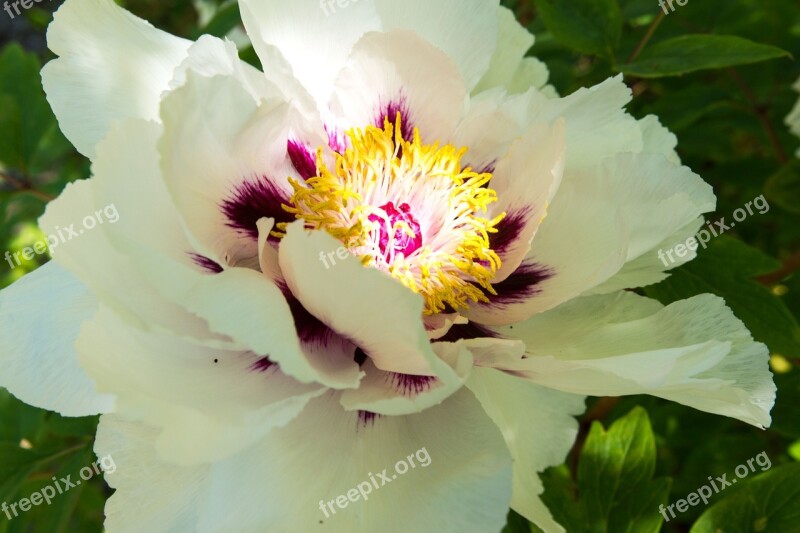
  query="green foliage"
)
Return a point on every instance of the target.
[
  {"x": 516, "y": 524},
  {"x": 35, "y": 446},
  {"x": 24, "y": 112},
  {"x": 225, "y": 19},
  {"x": 615, "y": 489},
  {"x": 589, "y": 26},
  {"x": 783, "y": 187},
  {"x": 690, "y": 53},
  {"x": 767, "y": 502},
  {"x": 728, "y": 268}
]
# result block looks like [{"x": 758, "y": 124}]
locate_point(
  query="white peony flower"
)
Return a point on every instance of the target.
[
  {"x": 793, "y": 119},
  {"x": 394, "y": 238}
]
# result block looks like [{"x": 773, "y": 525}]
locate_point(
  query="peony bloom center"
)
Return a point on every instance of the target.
[
  {"x": 400, "y": 231},
  {"x": 409, "y": 209}
]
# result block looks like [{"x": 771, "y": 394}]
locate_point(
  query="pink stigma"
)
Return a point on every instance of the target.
[{"x": 402, "y": 242}]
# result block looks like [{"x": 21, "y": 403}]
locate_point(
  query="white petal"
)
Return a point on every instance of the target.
[
  {"x": 461, "y": 481},
  {"x": 248, "y": 307},
  {"x": 315, "y": 38},
  {"x": 657, "y": 139},
  {"x": 539, "y": 435},
  {"x": 526, "y": 179},
  {"x": 532, "y": 73},
  {"x": 209, "y": 403},
  {"x": 388, "y": 393},
  {"x": 694, "y": 352},
  {"x": 620, "y": 213},
  {"x": 225, "y": 160},
  {"x": 490, "y": 125},
  {"x": 151, "y": 494},
  {"x": 376, "y": 312},
  {"x": 211, "y": 56},
  {"x": 281, "y": 484},
  {"x": 651, "y": 268},
  {"x": 439, "y": 324},
  {"x": 400, "y": 71},
  {"x": 466, "y": 30},
  {"x": 242, "y": 308},
  {"x": 657, "y": 200},
  {"x": 126, "y": 184},
  {"x": 661, "y": 204},
  {"x": 597, "y": 124},
  {"x": 580, "y": 244},
  {"x": 40, "y": 316},
  {"x": 513, "y": 41},
  {"x": 268, "y": 260},
  {"x": 216, "y": 138},
  {"x": 112, "y": 65}
]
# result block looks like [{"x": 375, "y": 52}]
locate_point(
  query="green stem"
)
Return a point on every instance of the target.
[{"x": 647, "y": 36}]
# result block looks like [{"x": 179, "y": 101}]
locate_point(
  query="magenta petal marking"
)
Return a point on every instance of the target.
[
  {"x": 303, "y": 158},
  {"x": 253, "y": 200},
  {"x": 209, "y": 265}
]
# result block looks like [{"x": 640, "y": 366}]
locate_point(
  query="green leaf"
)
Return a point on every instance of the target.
[
  {"x": 728, "y": 268},
  {"x": 25, "y": 116},
  {"x": 20, "y": 421},
  {"x": 682, "y": 108},
  {"x": 783, "y": 187},
  {"x": 615, "y": 475},
  {"x": 23, "y": 206},
  {"x": 224, "y": 20},
  {"x": 690, "y": 53},
  {"x": 768, "y": 502},
  {"x": 516, "y": 524},
  {"x": 16, "y": 464},
  {"x": 560, "y": 498},
  {"x": 616, "y": 490},
  {"x": 589, "y": 26},
  {"x": 56, "y": 517},
  {"x": 72, "y": 427},
  {"x": 786, "y": 412},
  {"x": 249, "y": 56}
]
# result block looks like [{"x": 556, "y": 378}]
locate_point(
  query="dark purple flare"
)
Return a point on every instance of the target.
[
  {"x": 253, "y": 200},
  {"x": 509, "y": 229},
  {"x": 303, "y": 159},
  {"x": 367, "y": 418},
  {"x": 263, "y": 365},
  {"x": 390, "y": 111},
  {"x": 521, "y": 285},
  {"x": 209, "y": 265},
  {"x": 410, "y": 385}
]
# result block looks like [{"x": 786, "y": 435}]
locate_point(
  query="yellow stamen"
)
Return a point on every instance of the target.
[{"x": 455, "y": 265}]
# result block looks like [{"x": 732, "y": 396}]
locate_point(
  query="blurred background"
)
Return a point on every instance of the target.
[{"x": 725, "y": 99}]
